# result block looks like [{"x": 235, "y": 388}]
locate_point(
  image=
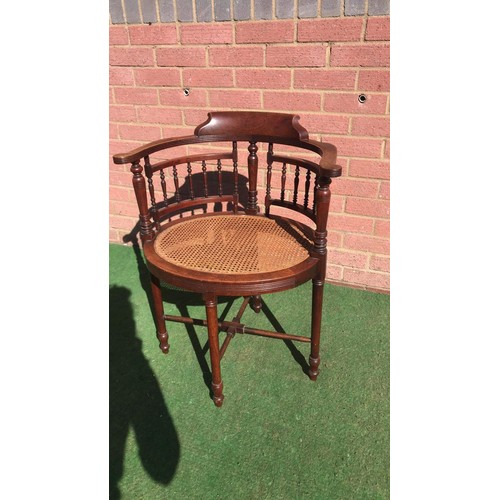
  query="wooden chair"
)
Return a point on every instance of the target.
[{"x": 236, "y": 251}]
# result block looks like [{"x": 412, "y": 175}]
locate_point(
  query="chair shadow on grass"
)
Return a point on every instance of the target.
[{"x": 136, "y": 401}]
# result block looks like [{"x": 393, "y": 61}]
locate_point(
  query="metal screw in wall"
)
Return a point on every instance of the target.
[
  {"x": 185, "y": 92},
  {"x": 362, "y": 98}
]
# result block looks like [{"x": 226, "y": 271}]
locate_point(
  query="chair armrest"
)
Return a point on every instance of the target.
[
  {"x": 328, "y": 163},
  {"x": 152, "y": 147}
]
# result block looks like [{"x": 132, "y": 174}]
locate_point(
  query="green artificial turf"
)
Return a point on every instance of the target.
[{"x": 277, "y": 435}]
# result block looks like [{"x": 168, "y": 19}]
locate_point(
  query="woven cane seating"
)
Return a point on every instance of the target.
[
  {"x": 207, "y": 232},
  {"x": 233, "y": 245}
]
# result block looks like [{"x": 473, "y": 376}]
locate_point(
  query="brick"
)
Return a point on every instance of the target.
[
  {"x": 166, "y": 9},
  {"x": 354, "y": 187},
  {"x": 373, "y": 126},
  {"x": 175, "y": 132},
  {"x": 113, "y": 131},
  {"x": 241, "y": 9},
  {"x": 378, "y": 28},
  {"x": 374, "y": 80},
  {"x": 222, "y": 10},
  {"x": 272, "y": 31},
  {"x": 330, "y": 8},
  {"x": 378, "y": 263},
  {"x": 195, "y": 116},
  {"x": 116, "y": 11},
  {"x": 165, "y": 116},
  {"x": 334, "y": 239},
  {"x": 373, "y": 55},
  {"x": 382, "y": 228},
  {"x": 367, "y": 207},
  {"x": 354, "y": 7},
  {"x": 346, "y": 29},
  {"x": 156, "y": 34},
  {"x": 292, "y": 101},
  {"x": 296, "y": 56},
  {"x": 175, "y": 97},
  {"x": 122, "y": 114},
  {"x": 118, "y": 35},
  {"x": 378, "y": 7},
  {"x": 366, "y": 243},
  {"x": 333, "y": 273},
  {"x": 336, "y": 204},
  {"x": 184, "y": 11},
  {"x": 136, "y": 96},
  {"x": 158, "y": 77},
  {"x": 120, "y": 222},
  {"x": 121, "y": 76},
  {"x": 307, "y": 8},
  {"x": 348, "y": 103},
  {"x": 326, "y": 79},
  {"x": 350, "y": 224},
  {"x": 132, "y": 11},
  {"x": 354, "y": 146},
  {"x": 120, "y": 178},
  {"x": 263, "y": 78},
  {"x": 323, "y": 123},
  {"x": 203, "y": 10},
  {"x": 208, "y": 77},
  {"x": 285, "y": 9},
  {"x": 248, "y": 99},
  {"x": 387, "y": 149},
  {"x": 140, "y": 132},
  {"x": 128, "y": 209},
  {"x": 369, "y": 169},
  {"x": 263, "y": 10},
  {"x": 113, "y": 236},
  {"x": 379, "y": 281},
  {"x": 148, "y": 8},
  {"x": 384, "y": 192},
  {"x": 348, "y": 259},
  {"x": 206, "y": 33},
  {"x": 132, "y": 56},
  {"x": 119, "y": 193},
  {"x": 236, "y": 56},
  {"x": 180, "y": 56}
]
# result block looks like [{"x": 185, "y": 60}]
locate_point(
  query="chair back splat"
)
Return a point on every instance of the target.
[{"x": 202, "y": 228}]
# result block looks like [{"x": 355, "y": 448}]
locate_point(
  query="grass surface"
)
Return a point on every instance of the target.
[{"x": 277, "y": 435}]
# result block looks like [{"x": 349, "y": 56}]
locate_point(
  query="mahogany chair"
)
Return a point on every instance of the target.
[{"x": 237, "y": 251}]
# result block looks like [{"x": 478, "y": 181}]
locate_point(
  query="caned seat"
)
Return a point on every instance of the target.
[{"x": 242, "y": 249}]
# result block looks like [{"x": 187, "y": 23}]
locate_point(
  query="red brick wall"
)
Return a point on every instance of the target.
[{"x": 316, "y": 68}]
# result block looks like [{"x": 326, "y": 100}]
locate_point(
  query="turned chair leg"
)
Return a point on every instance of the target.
[
  {"x": 317, "y": 306},
  {"x": 213, "y": 342},
  {"x": 161, "y": 328}
]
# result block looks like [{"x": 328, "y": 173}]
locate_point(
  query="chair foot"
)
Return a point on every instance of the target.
[
  {"x": 164, "y": 345},
  {"x": 256, "y": 303},
  {"x": 313, "y": 370},
  {"x": 218, "y": 397}
]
